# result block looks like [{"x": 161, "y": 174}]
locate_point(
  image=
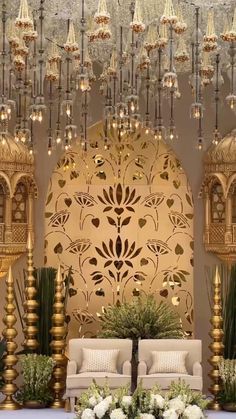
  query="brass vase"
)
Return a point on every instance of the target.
[{"x": 10, "y": 359}]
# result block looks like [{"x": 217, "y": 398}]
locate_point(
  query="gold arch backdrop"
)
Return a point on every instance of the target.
[{"x": 122, "y": 218}]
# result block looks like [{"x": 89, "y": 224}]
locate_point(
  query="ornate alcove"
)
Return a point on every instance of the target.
[
  {"x": 219, "y": 192},
  {"x": 17, "y": 193},
  {"x": 122, "y": 218}
]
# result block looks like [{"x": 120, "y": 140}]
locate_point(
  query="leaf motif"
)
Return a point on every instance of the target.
[
  {"x": 93, "y": 261},
  {"x": 100, "y": 252},
  {"x": 170, "y": 202},
  {"x": 188, "y": 199},
  {"x": 48, "y": 214},
  {"x": 176, "y": 183},
  {"x": 164, "y": 293},
  {"x": 95, "y": 222},
  {"x": 111, "y": 274},
  {"x": 68, "y": 202},
  {"x": 107, "y": 209},
  {"x": 49, "y": 198},
  {"x": 189, "y": 216},
  {"x": 108, "y": 263},
  {"x": 61, "y": 183},
  {"x": 142, "y": 222},
  {"x": 136, "y": 253},
  {"x": 58, "y": 249},
  {"x": 128, "y": 263},
  {"x": 164, "y": 175},
  {"x": 179, "y": 250},
  {"x": 126, "y": 221},
  {"x": 131, "y": 209},
  {"x": 143, "y": 262}
]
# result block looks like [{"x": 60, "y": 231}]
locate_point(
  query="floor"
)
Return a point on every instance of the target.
[{"x": 60, "y": 414}]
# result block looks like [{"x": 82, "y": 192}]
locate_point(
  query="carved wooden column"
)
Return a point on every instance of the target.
[
  {"x": 228, "y": 219},
  {"x": 8, "y": 220},
  {"x": 207, "y": 204}
]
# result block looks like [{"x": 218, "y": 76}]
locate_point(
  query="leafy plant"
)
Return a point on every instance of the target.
[
  {"x": 2, "y": 351},
  {"x": 142, "y": 318},
  {"x": 45, "y": 285},
  {"x": 229, "y": 314},
  {"x": 227, "y": 370},
  {"x": 37, "y": 373}
]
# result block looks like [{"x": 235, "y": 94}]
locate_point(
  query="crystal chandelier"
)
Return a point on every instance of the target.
[{"x": 48, "y": 54}]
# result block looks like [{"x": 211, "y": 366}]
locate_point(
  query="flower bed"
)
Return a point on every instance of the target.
[{"x": 179, "y": 402}]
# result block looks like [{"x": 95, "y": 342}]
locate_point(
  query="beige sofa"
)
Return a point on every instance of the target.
[
  {"x": 77, "y": 382},
  {"x": 193, "y": 362}
]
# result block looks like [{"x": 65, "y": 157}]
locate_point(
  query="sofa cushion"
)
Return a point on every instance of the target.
[
  {"x": 168, "y": 362},
  {"x": 104, "y": 360},
  {"x": 85, "y": 379}
]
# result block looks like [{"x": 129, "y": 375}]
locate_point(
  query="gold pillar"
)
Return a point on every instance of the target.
[
  {"x": 207, "y": 218},
  {"x": 58, "y": 344},
  {"x": 8, "y": 220},
  {"x": 10, "y": 359},
  {"x": 30, "y": 304},
  {"x": 216, "y": 346}
]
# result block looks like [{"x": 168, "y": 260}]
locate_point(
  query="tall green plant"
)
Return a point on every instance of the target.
[
  {"x": 45, "y": 284},
  {"x": 2, "y": 352},
  {"x": 229, "y": 314}
]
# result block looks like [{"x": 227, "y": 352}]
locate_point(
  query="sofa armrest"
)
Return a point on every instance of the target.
[
  {"x": 197, "y": 369},
  {"x": 142, "y": 368},
  {"x": 71, "y": 367},
  {"x": 126, "y": 369}
]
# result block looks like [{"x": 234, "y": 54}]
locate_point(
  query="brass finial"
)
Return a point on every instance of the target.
[
  {"x": 58, "y": 344},
  {"x": 10, "y": 359},
  {"x": 30, "y": 304},
  {"x": 216, "y": 346}
]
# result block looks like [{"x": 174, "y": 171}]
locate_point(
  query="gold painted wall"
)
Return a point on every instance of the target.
[{"x": 123, "y": 219}]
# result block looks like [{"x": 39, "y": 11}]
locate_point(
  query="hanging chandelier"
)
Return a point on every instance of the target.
[{"x": 48, "y": 53}]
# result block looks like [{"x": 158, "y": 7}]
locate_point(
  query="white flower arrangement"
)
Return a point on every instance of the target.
[{"x": 180, "y": 402}]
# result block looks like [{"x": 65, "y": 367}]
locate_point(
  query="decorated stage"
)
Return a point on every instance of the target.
[{"x": 61, "y": 414}]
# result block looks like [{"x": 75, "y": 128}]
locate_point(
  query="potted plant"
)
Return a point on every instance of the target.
[
  {"x": 142, "y": 318},
  {"x": 227, "y": 369},
  {"x": 37, "y": 373}
]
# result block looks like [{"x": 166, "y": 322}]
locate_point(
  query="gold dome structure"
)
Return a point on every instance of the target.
[
  {"x": 219, "y": 192},
  {"x": 17, "y": 192}
]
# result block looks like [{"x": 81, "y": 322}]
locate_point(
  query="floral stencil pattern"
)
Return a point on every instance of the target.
[{"x": 123, "y": 219}]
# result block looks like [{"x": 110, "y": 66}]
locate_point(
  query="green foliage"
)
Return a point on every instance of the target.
[
  {"x": 180, "y": 388},
  {"x": 142, "y": 318},
  {"x": 2, "y": 352},
  {"x": 45, "y": 285},
  {"x": 229, "y": 314},
  {"x": 227, "y": 369},
  {"x": 37, "y": 373}
]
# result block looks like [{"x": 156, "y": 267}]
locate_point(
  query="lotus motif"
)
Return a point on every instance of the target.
[
  {"x": 178, "y": 220},
  {"x": 59, "y": 219},
  {"x": 119, "y": 197},
  {"x": 158, "y": 247},
  {"x": 154, "y": 200},
  {"x": 84, "y": 199},
  {"x": 79, "y": 246}
]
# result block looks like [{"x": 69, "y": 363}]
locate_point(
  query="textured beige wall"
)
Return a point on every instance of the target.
[{"x": 192, "y": 164}]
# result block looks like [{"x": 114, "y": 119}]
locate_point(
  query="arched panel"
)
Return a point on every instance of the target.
[{"x": 123, "y": 219}]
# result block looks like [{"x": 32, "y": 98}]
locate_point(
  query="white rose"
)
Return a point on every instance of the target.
[
  {"x": 193, "y": 412},
  {"x": 108, "y": 400},
  {"x": 146, "y": 416},
  {"x": 177, "y": 404},
  {"x": 126, "y": 401},
  {"x": 88, "y": 414},
  {"x": 170, "y": 414},
  {"x": 117, "y": 414},
  {"x": 101, "y": 409},
  {"x": 157, "y": 401}
]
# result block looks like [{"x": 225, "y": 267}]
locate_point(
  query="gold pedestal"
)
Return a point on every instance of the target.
[{"x": 10, "y": 359}]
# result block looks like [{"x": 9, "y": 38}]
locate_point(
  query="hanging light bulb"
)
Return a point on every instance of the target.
[
  {"x": 169, "y": 16},
  {"x": 137, "y": 24},
  {"x": 231, "y": 101},
  {"x": 196, "y": 110},
  {"x": 216, "y": 137},
  {"x": 172, "y": 133}
]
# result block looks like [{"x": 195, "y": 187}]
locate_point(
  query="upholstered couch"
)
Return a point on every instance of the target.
[
  {"x": 193, "y": 362},
  {"x": 77, "y": 382}
]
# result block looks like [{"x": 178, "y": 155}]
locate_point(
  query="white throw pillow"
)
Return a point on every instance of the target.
[
  {"x": 99, "y": 360},
  {"x": 168, "y": 361}
]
